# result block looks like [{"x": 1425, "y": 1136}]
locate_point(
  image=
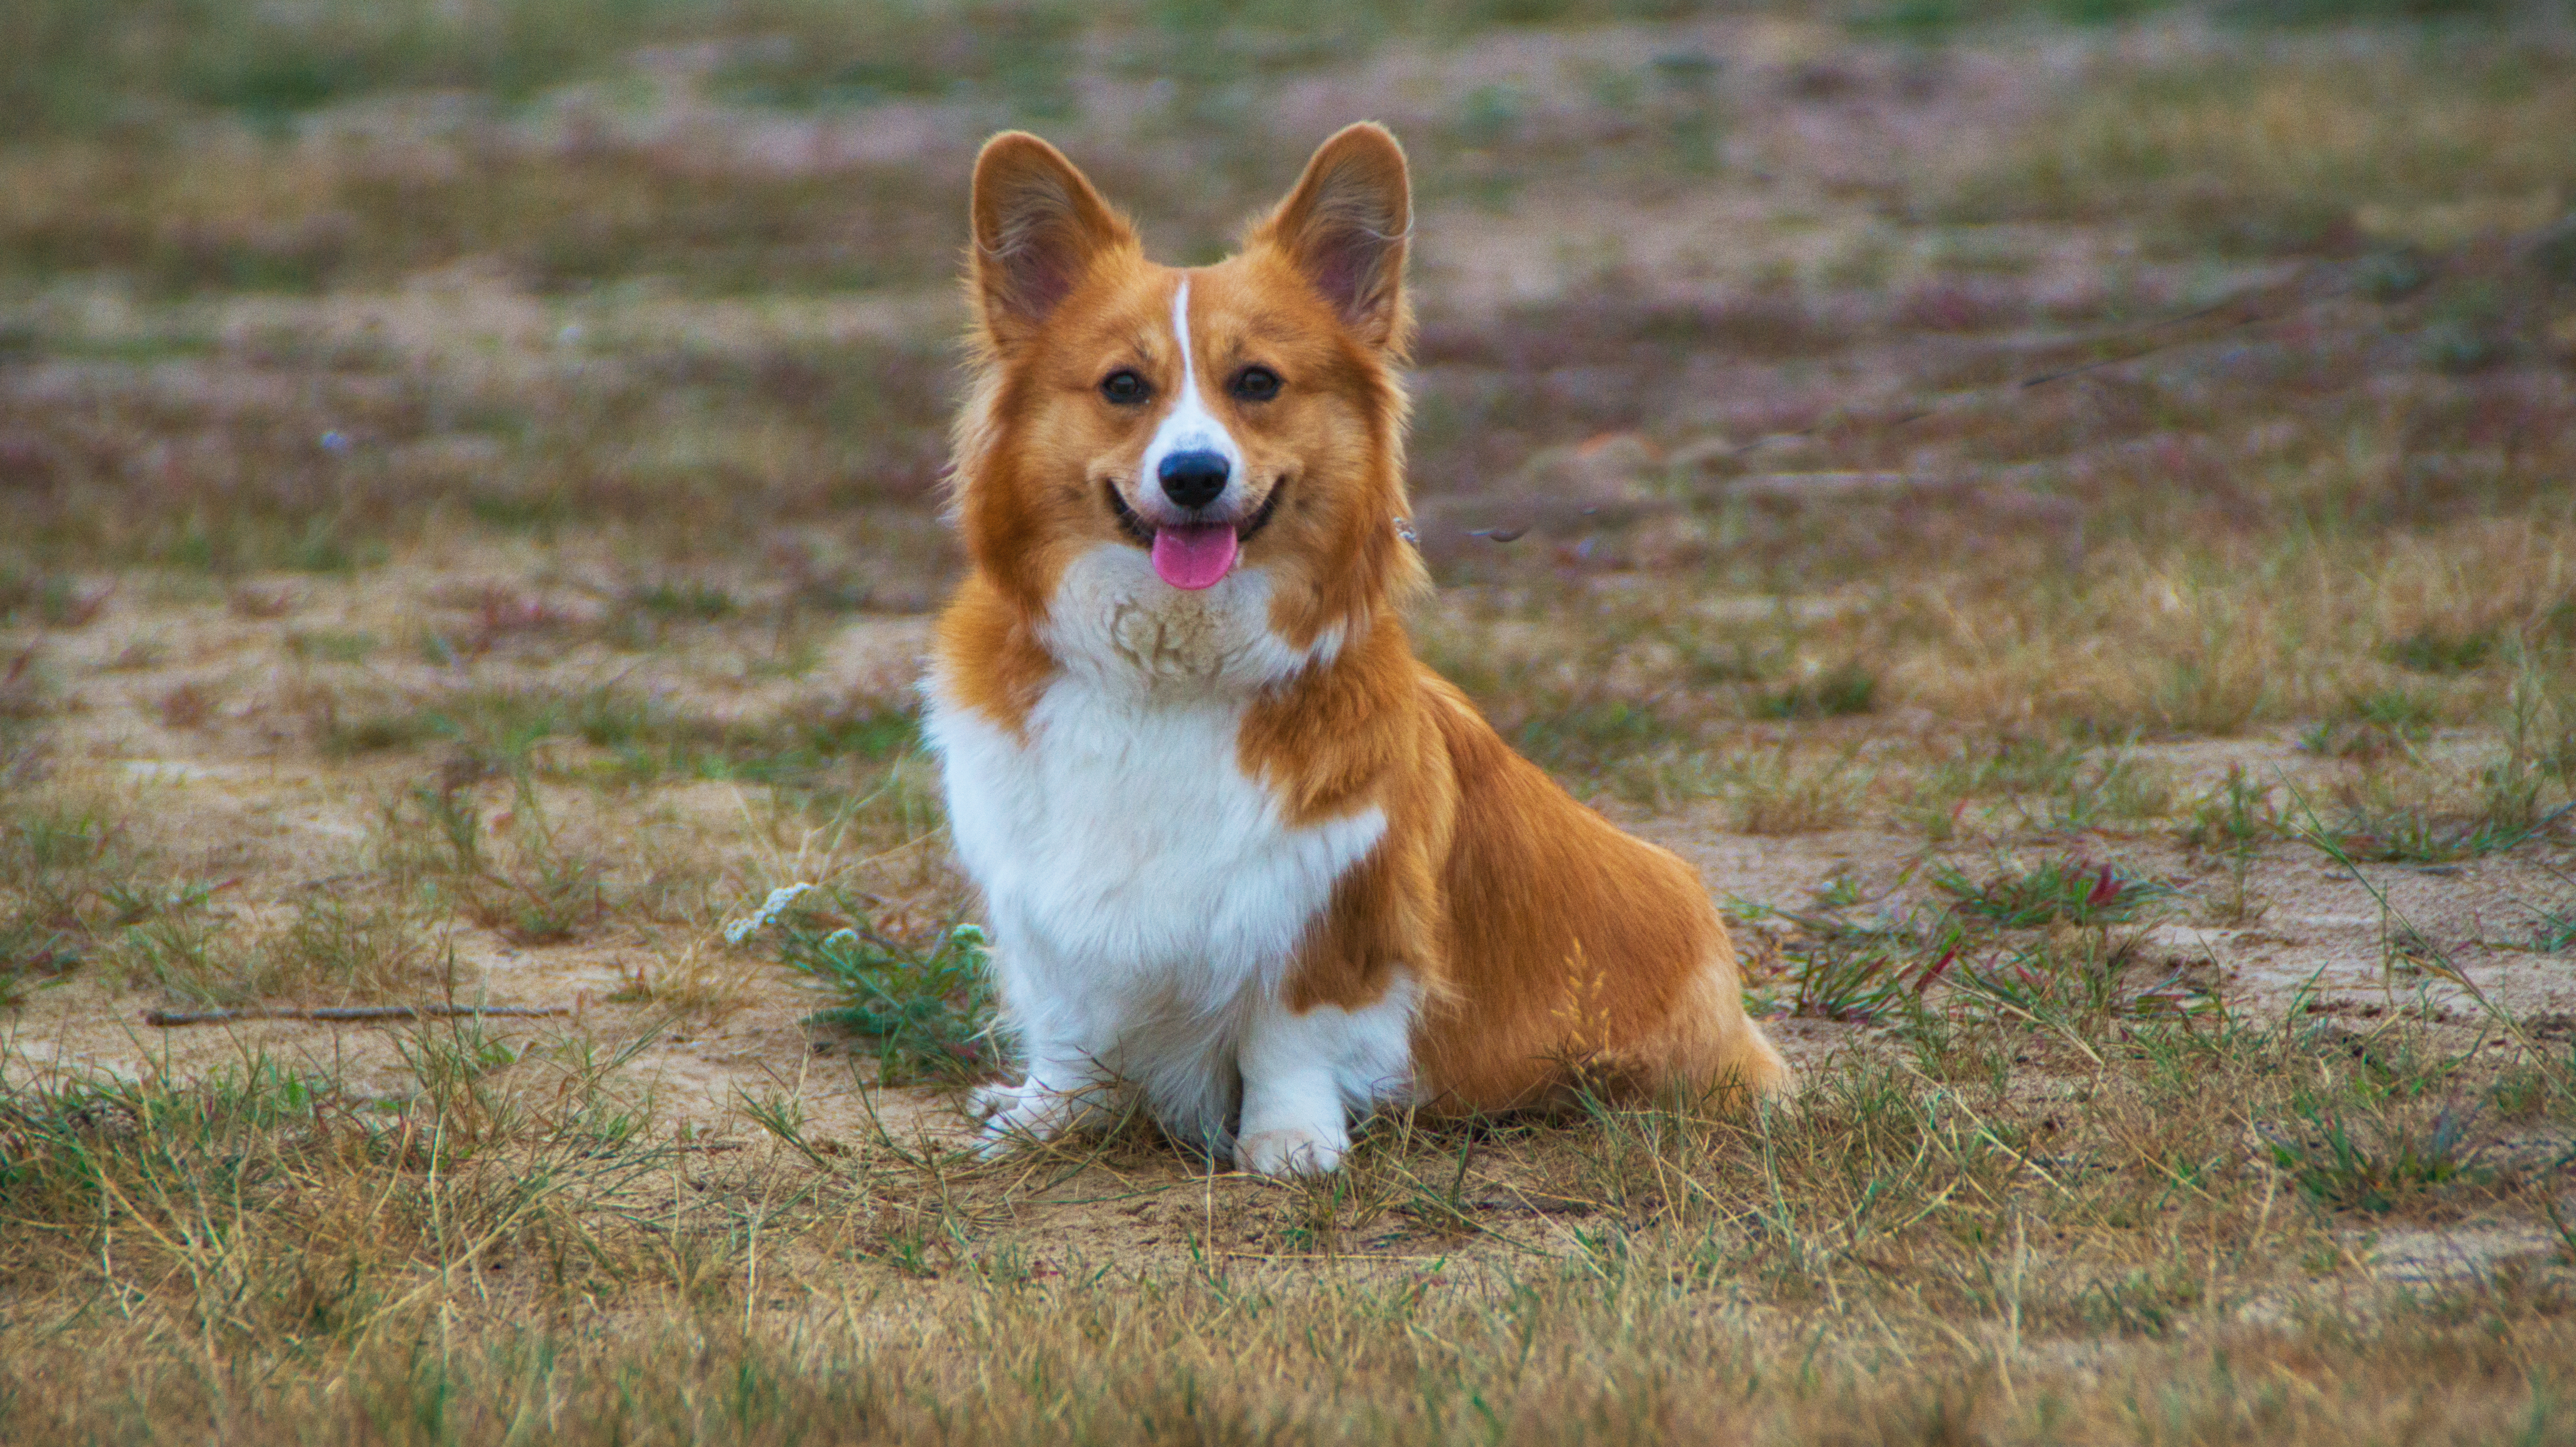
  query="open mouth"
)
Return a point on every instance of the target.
[{"x": 1194, "y": 555}]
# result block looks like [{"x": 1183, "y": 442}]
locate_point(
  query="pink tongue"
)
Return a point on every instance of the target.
[{"x": 1194, "y": 557}]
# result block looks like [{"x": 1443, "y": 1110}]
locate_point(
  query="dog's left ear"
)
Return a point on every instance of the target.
[{"x": 1345, "y": 226}]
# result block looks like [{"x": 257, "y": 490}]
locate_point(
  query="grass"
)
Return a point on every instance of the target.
[
  {"x": 753, "y": 436},
  {"x": 71, "y": 881},
  {"x": 2437, "y": 652},
  {"x": 2535, "y": 1089},
  {"x": 2422, "y": 810},
  {"x": 259, "y": 1200},
  {"x": 2075, "y": 987},
  {"x": 2235, "y": 816},
  {"x": 53, "y": 600},
  {"x": 1971, "y": 964},
  {"x": 1774, "y": 792},
  {"x": 628, "y": 735},
  {"x": 2292, "y": 158},
  {"x": 1858, "y": 976},
  {"x": 79, "y": 890},
  {"x": 2074, "y": 891},
  {"x": 330, "y": 951},
  {"x": 2553, "y": 927},
  {"x": 1993, "y": 486},
  {"x": 1838, "y": 692},
  {"x": 460, "y": 1206},
  {"x": 2380, "y": 826},
  {"x": 2374, "y": 725},
  {"x": 2048, "y": 784},
  {"x": 2397, "y": 1163},
  {"x": 927, "y": 1012},
  {"x": 518, "y": 877},
  {"x": 1843, "y": 968}
]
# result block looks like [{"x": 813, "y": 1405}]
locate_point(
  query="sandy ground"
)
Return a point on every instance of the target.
[{"x": 244, "y": 801}]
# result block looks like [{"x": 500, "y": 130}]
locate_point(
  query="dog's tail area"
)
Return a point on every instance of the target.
[{"x": 1707, "y": 1050}]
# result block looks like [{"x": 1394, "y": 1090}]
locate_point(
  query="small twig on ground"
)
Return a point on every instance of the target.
[{"x": 168, "y": 1018}]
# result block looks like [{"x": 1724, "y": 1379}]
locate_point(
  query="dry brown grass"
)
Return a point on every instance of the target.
[
  {"x": 2103, "y": 1259},
  {"x": 2308, "y": 148}
]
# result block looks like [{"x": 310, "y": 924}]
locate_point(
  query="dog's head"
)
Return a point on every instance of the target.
[{"x": 1230, "y": 426}]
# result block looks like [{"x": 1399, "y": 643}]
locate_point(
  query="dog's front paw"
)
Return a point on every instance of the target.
[
  {"x": 986, "y": 1101},
  {"x": 1016, "y": 1114},
  {"x": 1294, "y": 1151}
]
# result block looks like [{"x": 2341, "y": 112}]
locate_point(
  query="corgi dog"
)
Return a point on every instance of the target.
[{"x": 1241, "y": 853}]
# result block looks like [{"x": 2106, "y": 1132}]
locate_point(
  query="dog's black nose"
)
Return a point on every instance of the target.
[{"x": 1193, "y": 479}]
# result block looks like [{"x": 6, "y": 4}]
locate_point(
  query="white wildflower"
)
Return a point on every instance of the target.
[{"x": 738, "y": 930}]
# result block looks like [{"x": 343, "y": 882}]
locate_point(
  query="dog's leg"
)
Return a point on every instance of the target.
[
  {"x": 1193, "y": 1093},
  {"x": 1304, "y": 1071},
  {"x": 1069, "y": 1074},
  {"x": 1064, "y": 1085}
]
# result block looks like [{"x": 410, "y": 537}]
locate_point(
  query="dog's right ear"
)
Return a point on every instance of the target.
[{"x": 1039, "y": 228}]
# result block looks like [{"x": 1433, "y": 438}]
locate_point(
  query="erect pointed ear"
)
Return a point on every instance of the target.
[
  {"x": 1039, "y": 227},
  {"x": 1345, "y": 226}
]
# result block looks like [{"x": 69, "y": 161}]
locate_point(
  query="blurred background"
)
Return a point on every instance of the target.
[{"x": 1744, "y": 300}]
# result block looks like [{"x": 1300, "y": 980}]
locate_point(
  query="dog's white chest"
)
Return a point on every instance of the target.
[
  {"x": 1121, "y": 847},
  {"x": 1123, "y": 842}
]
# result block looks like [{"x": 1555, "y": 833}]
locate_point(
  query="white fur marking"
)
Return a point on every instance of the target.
[
  {"x": 1303, "y": 1075},
  {"x": 1145, "y": 896},
  {"x": 1114, "y": 621},
  {"x": 1190, "y": 426}
]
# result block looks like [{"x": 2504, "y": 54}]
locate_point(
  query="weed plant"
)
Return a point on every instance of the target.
[
  {"x": 927, "y": 1012},
  {"x": 2068, "y": 890}
]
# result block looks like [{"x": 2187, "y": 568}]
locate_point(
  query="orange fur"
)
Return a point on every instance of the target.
[{"x": 1548, "y": 943}]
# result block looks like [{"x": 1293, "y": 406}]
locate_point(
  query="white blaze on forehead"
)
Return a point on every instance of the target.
[{"x": 1189, "y": 426}]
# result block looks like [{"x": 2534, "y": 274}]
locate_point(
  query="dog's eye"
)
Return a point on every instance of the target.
[
  {"x": 1124, "y": 388},
  {"x": 1256, "y": 384}
]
